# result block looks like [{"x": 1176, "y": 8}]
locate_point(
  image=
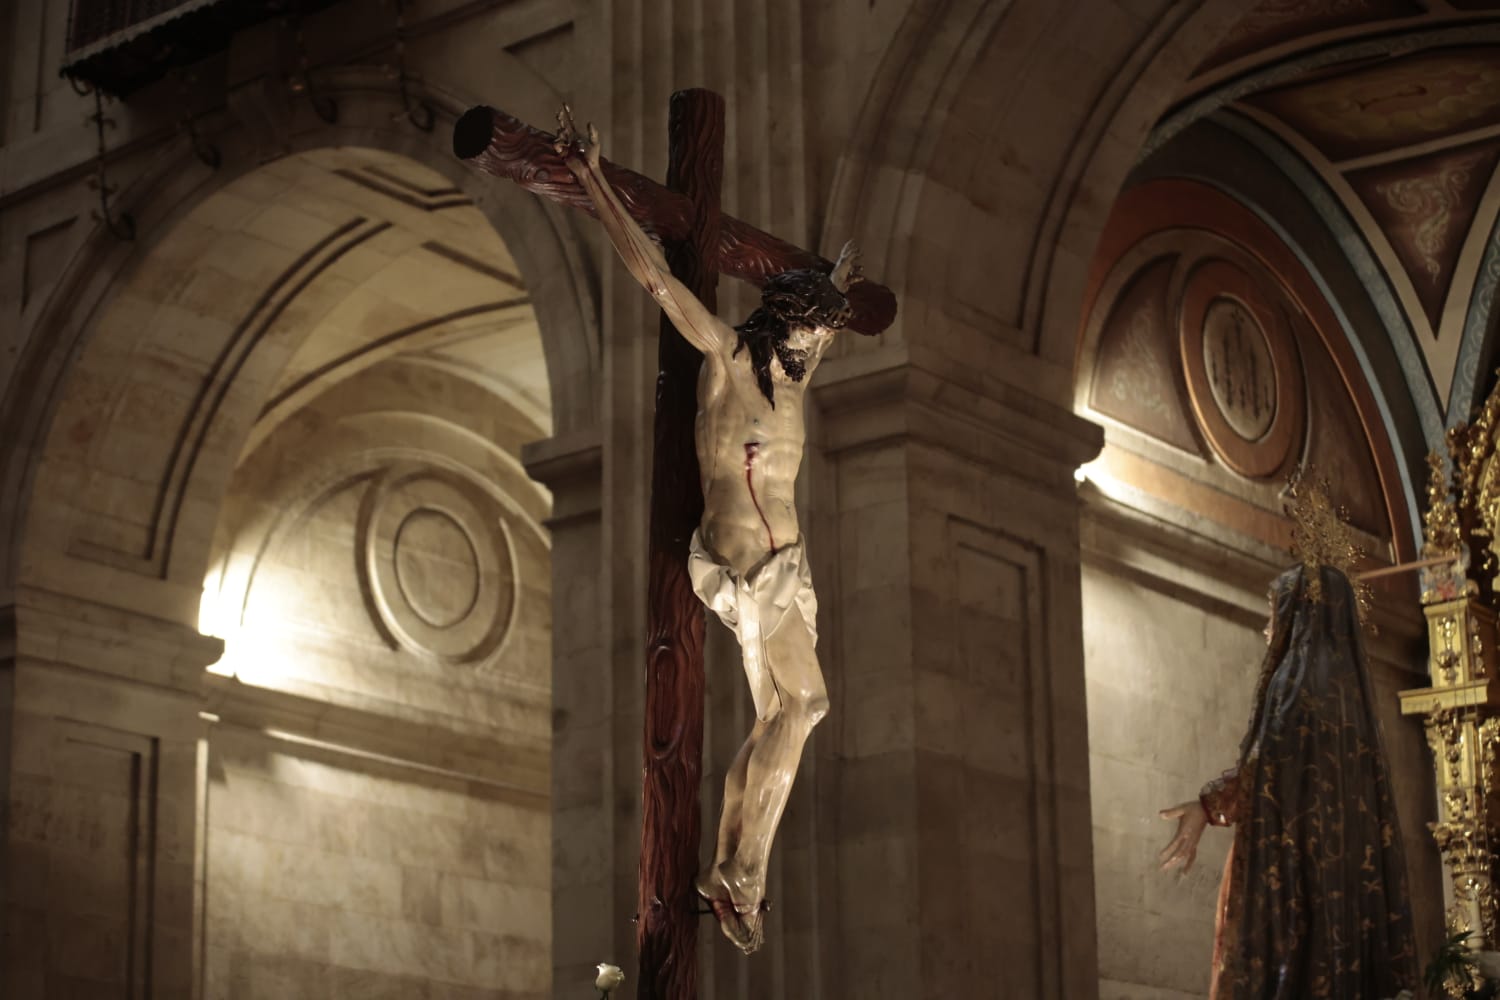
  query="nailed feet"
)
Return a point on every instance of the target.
[{"x": 741, "y": 919}]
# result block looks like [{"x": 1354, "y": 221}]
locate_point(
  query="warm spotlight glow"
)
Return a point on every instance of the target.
[
  {"x": 1097, "y": 472},
  {"x": 213, "y": 619},
  {"x": 1090, "y": 470}
]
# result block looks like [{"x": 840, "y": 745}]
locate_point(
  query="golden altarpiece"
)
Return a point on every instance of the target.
[{"x": 1462, "y": 706}]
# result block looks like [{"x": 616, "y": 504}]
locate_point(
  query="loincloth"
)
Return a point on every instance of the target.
[{"x": 754, "y": 608}]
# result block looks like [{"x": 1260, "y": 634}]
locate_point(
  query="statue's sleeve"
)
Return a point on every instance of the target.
[{"x": 1221, "y": 798}]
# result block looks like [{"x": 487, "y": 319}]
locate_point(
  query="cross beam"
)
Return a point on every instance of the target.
[
  {"x": 505, "y": 146},
  {"x": 699, "y": 243}
]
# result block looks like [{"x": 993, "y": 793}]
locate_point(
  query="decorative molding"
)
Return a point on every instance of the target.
[
  {"x": 1398, "y": 330},
  {"x": 1135, "y": 376},
  {"x": 1198, "y": 562},
  {"x": 101, "y": 764},
  {"x": 998, "y": 600},
  {"x": 56, "y": 628},
  {"x": 1255, "y": 434},
  {"x": 440, "y": 746},
  {"x": 1201, "y": 224},
  {"x": 881, "y": 398},
  {"x": 299, "y": 386},
  {"x": 1404, "y": 101},
  {"x": 155, "y": 553},
  {"x": 1303, "y": 64},
  {"x": 1478, "y": 347},
  {"x": 477, "y": 266},
  {"x": 1272, "y": 22},
  {"x": 437, "y": 564},
  {"x": 383, "y": 182},
  {"x": 571, "y": 466}
]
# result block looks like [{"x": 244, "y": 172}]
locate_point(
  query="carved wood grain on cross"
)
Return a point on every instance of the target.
[{"x": 504, "y": 146}]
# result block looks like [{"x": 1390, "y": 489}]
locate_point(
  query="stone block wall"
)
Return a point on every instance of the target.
[{"x": 330, "y": 874}]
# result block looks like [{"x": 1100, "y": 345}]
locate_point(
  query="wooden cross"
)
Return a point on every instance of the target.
[{"x": 699, "y": 244}]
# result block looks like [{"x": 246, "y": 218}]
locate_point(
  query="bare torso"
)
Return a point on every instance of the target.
[
  {"x": 749, "y": 452},
  {"x": 748, "y": 455}
]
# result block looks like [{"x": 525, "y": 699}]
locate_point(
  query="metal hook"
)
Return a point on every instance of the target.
[
  {"x": 207, "y": 153},
  {"x": 323, "y": 106},
  {"x": 421, "y": 114},
  {"x": 122, "y": 227}
]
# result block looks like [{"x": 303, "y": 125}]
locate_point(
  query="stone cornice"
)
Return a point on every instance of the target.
[
  {"x": 439, "y": 745},
  {"x": 1200, "y": 564},
  {"x": 571, "y": 465},
  {"x": 877, "y": 397},
  {"x": 52, "y": 627}
]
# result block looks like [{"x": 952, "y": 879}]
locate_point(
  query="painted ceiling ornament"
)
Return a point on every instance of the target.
[{"x": 1322, "y": 536}]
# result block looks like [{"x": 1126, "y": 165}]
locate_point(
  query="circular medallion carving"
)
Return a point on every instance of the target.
[
  {"x": 1238, "y": 360},
  {"x": 436, "y": 566},
  {"x": 1243, "y": 373}
]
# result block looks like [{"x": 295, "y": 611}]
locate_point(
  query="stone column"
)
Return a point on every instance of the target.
[
  {"x": 584, "y": 928},
  {"x": 99, "y": 846},
  {"x": 960, "y": 831}
]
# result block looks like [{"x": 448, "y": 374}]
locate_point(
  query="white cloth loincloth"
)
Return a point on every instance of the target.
[{"x": 754, "y": 608}]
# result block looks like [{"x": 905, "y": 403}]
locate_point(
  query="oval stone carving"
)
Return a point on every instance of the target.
[
  {"x": 1237, "y": 359},
  {"x": 1240, "y": 361},
  {"x": 437, "y": 568},
  {"x": 438, "y": 563}
]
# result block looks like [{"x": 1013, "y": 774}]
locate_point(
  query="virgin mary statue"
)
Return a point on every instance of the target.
[{"x": 1314, "y": 900}]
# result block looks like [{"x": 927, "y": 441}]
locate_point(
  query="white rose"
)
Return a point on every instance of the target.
[{"x": 609, "y": 978}]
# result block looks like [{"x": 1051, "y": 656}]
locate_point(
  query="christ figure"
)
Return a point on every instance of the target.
[{"x": 747, "y": 559}]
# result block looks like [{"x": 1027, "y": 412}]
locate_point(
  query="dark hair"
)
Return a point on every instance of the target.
[{"x": 799, "y": 299}]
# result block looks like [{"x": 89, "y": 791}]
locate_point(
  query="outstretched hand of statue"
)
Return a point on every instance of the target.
[
  {"x": 578, "y": 152},
  {"x": 1191, "y": 822},
  {"x": 847, "y": 270}
]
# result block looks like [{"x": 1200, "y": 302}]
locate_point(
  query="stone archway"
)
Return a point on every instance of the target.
[
  {"x": 344, "y": 309},
  {"x": 932, "y": 178},
  {"x": 553, "y": 266},
  {"x": 989, "y": 155}
]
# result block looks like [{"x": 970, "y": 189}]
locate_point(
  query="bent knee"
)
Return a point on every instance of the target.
[{"x": 807, "y": 707}]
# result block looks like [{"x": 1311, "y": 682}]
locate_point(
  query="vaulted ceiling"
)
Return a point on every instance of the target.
[
  {"x": 1394, "y": 106},
  {"x": 1331, "y": 170}
]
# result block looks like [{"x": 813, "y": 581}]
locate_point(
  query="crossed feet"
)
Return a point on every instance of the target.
[{"x": 740, "y": 912}]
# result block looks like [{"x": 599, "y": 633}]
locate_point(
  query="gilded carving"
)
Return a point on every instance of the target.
[
  {"x": 1321, "y": 536},
  {"x": 1462, "y": 725},
  {"x": 1440, "y": 524},
  {"x": 1477, "y": 668}
]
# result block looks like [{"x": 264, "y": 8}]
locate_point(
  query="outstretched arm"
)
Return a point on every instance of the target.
[
  {"x": 1218, "y": 805},
  {"x": 642, "y": 258}
]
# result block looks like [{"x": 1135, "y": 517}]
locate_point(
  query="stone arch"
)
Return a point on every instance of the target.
[
  {"x": 553, "y": 266},
  {"x": 929, "y": 149}
]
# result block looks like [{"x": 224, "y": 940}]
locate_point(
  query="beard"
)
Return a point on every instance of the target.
[{"x": 765, "y": 339}]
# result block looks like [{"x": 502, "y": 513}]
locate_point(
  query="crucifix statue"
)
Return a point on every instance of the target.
[{"x": 729, "y": 432}]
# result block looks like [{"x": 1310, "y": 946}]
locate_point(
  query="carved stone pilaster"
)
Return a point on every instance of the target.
[
  {"x": 952, "y": 584},
  {"x": 102, "y": 798},
  {"x": 586, "y": 908}
]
